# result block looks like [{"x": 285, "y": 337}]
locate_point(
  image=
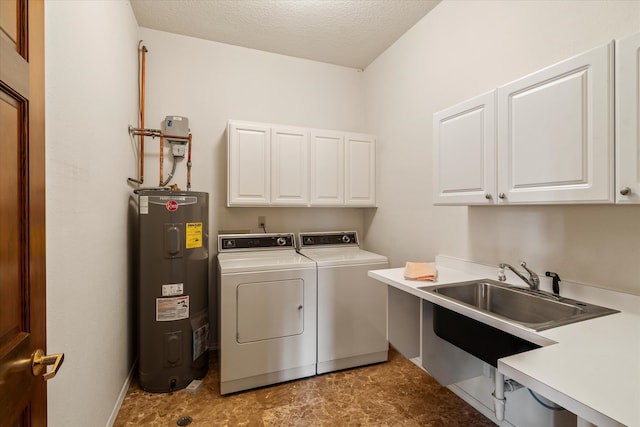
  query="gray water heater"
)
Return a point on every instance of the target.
[{"x": 173, "y": 322}]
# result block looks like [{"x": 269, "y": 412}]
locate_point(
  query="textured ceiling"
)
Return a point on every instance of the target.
[{"x": 351, "y": 33}]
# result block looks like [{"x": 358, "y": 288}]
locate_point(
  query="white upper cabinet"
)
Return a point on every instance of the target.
[
  {"x": 464, "y": 153},
  {"x": 275, "y": 165},
  {"x": 289, "y": 166},
  {"x": 360, "y": 170},
  {"x": 327, "y": 168},
  {"x": 628, "y": 120},
  {"x": 249, "y": 164},
  {"x": 555, "y": 133}
]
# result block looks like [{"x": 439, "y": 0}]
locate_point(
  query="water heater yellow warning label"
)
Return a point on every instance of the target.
[{"x": 194, "y": 235}]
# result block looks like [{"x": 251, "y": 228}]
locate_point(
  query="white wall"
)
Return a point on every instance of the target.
[
  {"x": 459, "y": 50},
  {"x": 90, "y": 78}
]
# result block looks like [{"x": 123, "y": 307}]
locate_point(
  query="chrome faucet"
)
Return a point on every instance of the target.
[{"x": 533, "y": 281}]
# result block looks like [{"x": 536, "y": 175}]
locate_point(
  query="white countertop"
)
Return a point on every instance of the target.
[{"x": 592, "y": 368}]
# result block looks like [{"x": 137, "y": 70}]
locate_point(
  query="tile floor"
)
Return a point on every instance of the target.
[{"x": 396, "y": 393}]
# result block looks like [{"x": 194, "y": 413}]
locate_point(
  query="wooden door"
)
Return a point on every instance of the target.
[
  {"x": 555, "y": 133},
  {"x": 22, "y": 214}
]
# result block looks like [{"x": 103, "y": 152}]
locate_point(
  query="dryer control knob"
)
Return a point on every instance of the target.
[
  {"x": 346, "y": 239},
  {"x": 281, "y": 241}
]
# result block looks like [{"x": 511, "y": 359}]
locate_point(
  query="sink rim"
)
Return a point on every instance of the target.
[
  {"x": 586, "y": 310},
  {"x": 516, "y": 304}
]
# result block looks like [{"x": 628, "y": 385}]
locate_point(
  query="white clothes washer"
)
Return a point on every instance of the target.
[
  {"x": 352, "y": 307},
  {"x": 267, "y": 311}
]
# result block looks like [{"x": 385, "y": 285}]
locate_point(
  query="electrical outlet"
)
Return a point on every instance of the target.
[{"x": 262, "y": 222}]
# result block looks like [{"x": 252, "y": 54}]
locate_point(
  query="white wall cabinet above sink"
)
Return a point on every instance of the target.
[
  {"x": 464, "y": 153},
  {"x": 555, "y": 133},
  {"x": 546, "y": 138},
  {"x": 628, "y": 120},
  {"x": 275, "y": 165}
]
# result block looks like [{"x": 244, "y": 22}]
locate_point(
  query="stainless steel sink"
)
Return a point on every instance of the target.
[{"x": 537, "y": 310}]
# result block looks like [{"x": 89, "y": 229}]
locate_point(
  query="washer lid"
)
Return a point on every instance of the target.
[
  {"x": 245, "y": 262},
  {"x": 326, "y": 257}
]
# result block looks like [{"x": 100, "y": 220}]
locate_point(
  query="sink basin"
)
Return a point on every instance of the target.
[{"x": 537, "y": 310}]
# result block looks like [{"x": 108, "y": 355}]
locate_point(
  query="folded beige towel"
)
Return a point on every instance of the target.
[{"x": 420, "y": 271}]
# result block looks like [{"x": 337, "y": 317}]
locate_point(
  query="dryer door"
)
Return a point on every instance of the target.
[{"x": 268, "y": 310}]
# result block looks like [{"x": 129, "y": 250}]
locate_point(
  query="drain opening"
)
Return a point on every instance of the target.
[{"x": 184, "y": 421}]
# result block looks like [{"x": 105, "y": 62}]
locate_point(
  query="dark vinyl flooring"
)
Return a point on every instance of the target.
[{"x": 395, "y": 393}]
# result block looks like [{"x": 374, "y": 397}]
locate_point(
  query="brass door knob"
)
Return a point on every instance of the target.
[{"x": 40, "y": 361}]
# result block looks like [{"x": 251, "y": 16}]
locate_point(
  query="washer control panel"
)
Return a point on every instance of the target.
[
  {"x": 332, "y": 238},
  {"x": 249, "y": 242}
]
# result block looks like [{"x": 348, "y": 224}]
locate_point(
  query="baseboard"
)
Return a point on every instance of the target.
[
  {"x": 121, "y": 396},
  {"x": 352, "y": 362}
]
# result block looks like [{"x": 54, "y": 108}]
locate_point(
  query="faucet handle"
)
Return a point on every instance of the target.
[
  {"x": 535, "y": 280},
  {"x": 501, "y": 276},
  {"x": 524, "y": 265}
]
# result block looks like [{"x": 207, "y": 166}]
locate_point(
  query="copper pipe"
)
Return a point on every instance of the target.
[
  {"x": 161, "y": 158},
  {"x": 147, "y": 132},
  {"x": 157, "y": 132},
  {"x": 141, "y": 81},
  {"x": 142, "y": 87},
  {"x": 189, "y": 165}
]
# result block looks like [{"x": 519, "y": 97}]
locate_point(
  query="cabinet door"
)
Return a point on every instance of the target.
[
  {"x": 327, "y": 168},
  {"x": 289, "y": 167},
  {"x": 360, "y": 170},
  {"x": 464, "y": 153},
  {"x": 628, "y": 120},
  {"x": 555, "y": 133},
  {"x": 248, "y": 164}
]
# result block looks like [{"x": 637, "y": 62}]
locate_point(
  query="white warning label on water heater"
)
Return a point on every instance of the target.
[
  {"x": 144, "y": 205},
  {"x": 172, "y": 289},
  {"x": 168, "y": 309}
]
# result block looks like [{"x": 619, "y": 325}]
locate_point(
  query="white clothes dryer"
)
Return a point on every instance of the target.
[
  {"x": 267, "y": 311},
  {"x": 352, "y": 307}
]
